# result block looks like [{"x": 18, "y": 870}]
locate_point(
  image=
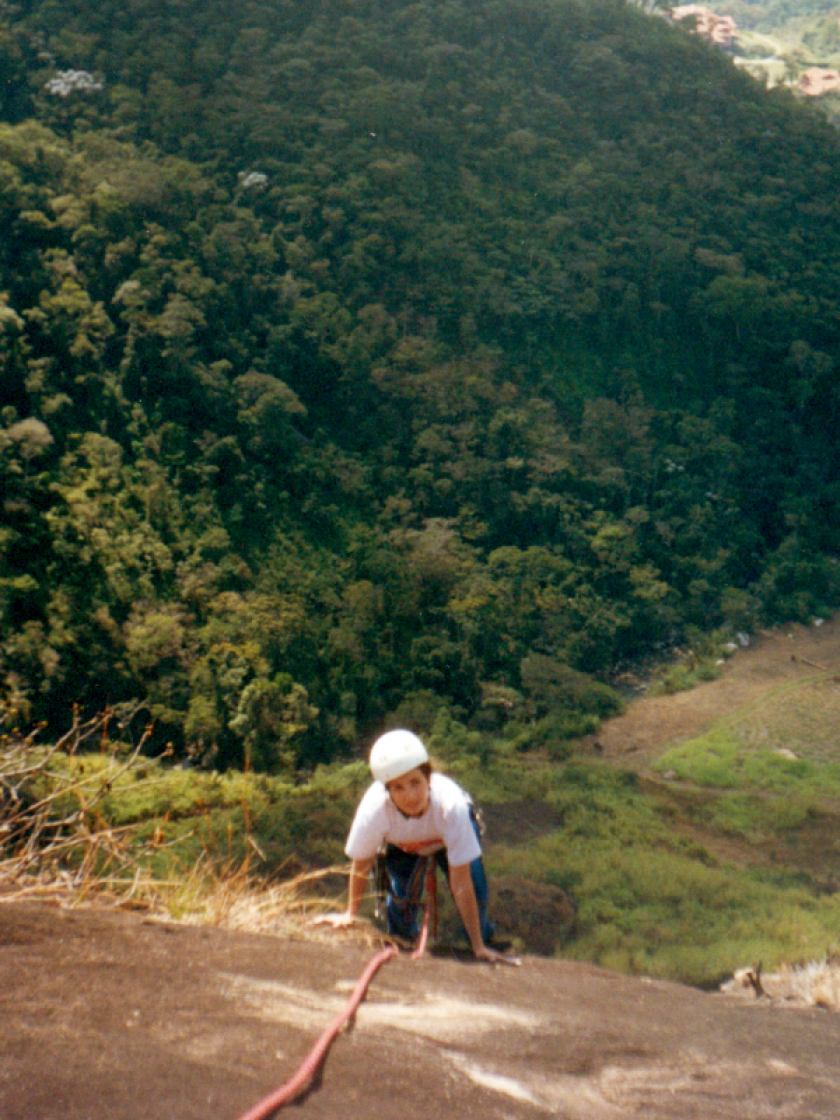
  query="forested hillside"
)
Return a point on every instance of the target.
[{"x": 368, "y": 356}]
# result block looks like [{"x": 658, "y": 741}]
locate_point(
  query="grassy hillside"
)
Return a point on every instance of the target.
[{"x": 703, "y": 853}]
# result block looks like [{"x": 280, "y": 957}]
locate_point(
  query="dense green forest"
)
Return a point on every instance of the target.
[{"x": 373, "y": 359}]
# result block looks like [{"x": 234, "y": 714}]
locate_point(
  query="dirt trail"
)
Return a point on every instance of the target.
[
  {"x": 771, "y": 659},
  {"x": 108, "y": 1016}
]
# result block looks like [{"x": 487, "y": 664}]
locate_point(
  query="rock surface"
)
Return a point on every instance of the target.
[{"x": 113, "y": 1016}]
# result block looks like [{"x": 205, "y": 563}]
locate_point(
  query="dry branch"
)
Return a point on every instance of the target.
[
  {"x": 55, "y": 840},
  {"x": 50, "y": 824}
]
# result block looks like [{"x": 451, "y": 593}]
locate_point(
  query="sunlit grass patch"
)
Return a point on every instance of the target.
[
  {"x": 725, "y": 759},
  {"x": 802, "y": 717},
  {"x": 792, "y": 732}
]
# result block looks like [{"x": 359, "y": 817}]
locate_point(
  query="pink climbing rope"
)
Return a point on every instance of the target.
[
  {"x": 430, "y": 914},
  {"x": 296, "y": 1085}
]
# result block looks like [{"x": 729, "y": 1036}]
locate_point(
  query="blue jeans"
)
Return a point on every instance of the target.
[{"x": 402, "y": 871}]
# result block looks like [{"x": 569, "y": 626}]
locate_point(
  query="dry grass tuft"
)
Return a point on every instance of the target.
[
  {"x": 56, "y": 844},
  {"x": 230, "y": 896},
  {"x": 809, "y": 984}
]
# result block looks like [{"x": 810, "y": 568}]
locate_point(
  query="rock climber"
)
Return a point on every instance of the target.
[{"x": 412, "y": 811}]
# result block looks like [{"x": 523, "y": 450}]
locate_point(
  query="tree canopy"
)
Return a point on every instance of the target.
[{"x": 373, "y": 358}]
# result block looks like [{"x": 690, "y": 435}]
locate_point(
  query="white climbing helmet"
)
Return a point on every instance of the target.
[{"x": 395, "y": 753}]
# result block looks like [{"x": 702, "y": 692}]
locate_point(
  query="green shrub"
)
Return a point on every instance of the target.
[{"x": 650, "y": 901}]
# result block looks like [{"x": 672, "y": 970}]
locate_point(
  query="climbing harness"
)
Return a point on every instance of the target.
[
  {"x": 421, "y": 878},
  {"x": 307, "y": 1071},
  {"x": 431, "y": 909}
]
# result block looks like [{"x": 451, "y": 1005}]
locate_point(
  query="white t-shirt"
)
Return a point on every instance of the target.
[{"x": 445, "y": 824}]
